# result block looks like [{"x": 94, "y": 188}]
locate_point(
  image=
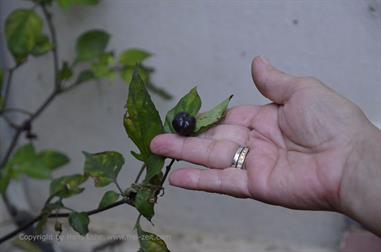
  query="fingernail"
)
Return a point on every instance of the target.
[{"x": 264, "y": 60}]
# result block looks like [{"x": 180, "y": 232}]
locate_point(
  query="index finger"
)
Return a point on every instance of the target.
[
  {"x": 241, "y": 115},
  {"x": 211, "y": 153}
]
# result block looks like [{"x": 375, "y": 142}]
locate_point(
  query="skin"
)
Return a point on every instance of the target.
[{"x": 310, "y": 149}]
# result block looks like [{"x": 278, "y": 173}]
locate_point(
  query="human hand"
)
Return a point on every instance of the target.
[{"x": 300, "y": 145}]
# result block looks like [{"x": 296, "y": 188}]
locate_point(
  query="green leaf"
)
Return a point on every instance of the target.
[
  {"x": 128, "y": 71},
  {"x": 103, "y": 67},
  {"x": 150, "y": 242},
  {"x": 104, "y": 167},
  {"x": 70, "y": 3},
  {"x": 91, "y": 45},
  {"x": 53, "y": 159},
  {"x": 79, "y": 221},
  {"x": 155, "y": 182},
  {"x": 190, "y": 103},
  {"x": 137, "y": 156},
  {"x": 133, "y": 57},
  {"x": 24, "y": 153},
  {"x": 206, "y": 120},
  {"x": 142, "y": 123},
  {"x": 35, "y": 165},
  {"x": 131, "y": 60},
  {"x": 126, "y": 74},
  {"x": 85, "y": 75},
  {"x": 26, "y": 161},
  {"x": 43, "y": 46},
  {"x": 145, "y": 201},
  {"x": 23, "y": 28},
  {"x": 67, "y": 186},
  {"x": 65, "y": 72},
  {"x": 155, "y": 164},
  {"x": 108, "y": 198}
]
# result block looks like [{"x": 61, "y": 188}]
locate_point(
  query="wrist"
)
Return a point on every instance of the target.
[{"x": 360, "y": 190}]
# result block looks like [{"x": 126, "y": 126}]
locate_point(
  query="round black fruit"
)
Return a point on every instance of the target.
[{"x": 184, "y": 124}]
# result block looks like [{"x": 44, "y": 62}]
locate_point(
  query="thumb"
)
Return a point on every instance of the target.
[{"x": 271, "y": 82}]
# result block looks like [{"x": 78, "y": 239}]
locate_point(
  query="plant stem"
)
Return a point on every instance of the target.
[
  {"x": 167, "y": 170},
  {"x": 50, "y": 98},
  {"x": 11, "y": 147},
  {"x": 125, "y": 200},
  {"x": 49, "y": 199},
  {"x": 9, "y": 83},
  {"x": 44, "y": 105},
  {"x": 29, "y": 121},
  {"x": 118, "y": 186},
  {"x": 53, "y": 35},
  {"x": 9, "y": 122},
  {"x": 140, "y": 173},
  {"x": 63, "y": 215}
]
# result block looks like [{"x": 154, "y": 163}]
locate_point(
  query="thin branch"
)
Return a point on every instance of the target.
[
  {"x": 53, "y": 35},
  {"x": 49, "y": 199},
  {"x": 167, "y": 170},
  {"x": 8, "y": 236},
  {"x": 12, "y": 210},
  {"x": 11, "y": 147},
  {"x": 70, "y": 87},
  {"x": 9, "y": 122},
  {"x": 47, "y": 101},
  {"x": 140, "y": 173},
  {"x": 20, "y": 229},
  {"x": 125, "y": 200},
  {"x": 8, "y": 85},
  {"x": 26, "y": 123},
  {"x": 118, "y": 186},
  {"x": 44, "y": 105}
]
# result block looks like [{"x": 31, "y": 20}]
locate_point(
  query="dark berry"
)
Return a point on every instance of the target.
[{"x": 184, "y": 124}]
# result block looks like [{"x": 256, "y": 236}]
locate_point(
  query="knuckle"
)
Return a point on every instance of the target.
[
  {"x": 185, "y": 143},
  {"x": 211, "y": 152}
]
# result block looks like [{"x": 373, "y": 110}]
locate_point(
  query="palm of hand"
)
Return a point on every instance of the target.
[
  {"x": 297, "y": 161},
  {"x": 298, "y": 149}
]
